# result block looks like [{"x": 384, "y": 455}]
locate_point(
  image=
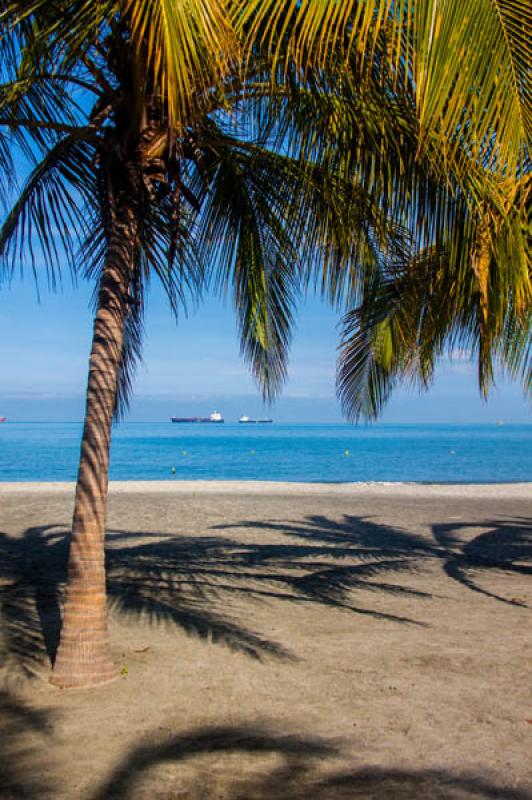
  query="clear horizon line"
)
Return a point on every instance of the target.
[{"x": 498, "y": 423}]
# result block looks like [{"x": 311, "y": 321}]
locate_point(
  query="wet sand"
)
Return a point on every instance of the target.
[{"x": 277, "y": 641}]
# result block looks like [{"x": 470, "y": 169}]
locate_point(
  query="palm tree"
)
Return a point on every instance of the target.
[
  {"x": 180, "y": 144},
  {"x": 138, "y": 174}
]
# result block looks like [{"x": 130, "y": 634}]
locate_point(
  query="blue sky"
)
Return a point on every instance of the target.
[{"x": 195, "y": 366}]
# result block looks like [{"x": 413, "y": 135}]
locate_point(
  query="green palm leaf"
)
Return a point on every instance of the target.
[
  {"x": 472, "y": 74},
  {"x": 188, "y": 47},
  {"x": 246, "y": 235},
  {"x": 51, "y": 210},
  {"x": 468, "y": 60},
  {"x": 411, "y": 314}
]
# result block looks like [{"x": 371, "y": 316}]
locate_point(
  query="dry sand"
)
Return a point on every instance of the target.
[{"x": 275, "y": 641}]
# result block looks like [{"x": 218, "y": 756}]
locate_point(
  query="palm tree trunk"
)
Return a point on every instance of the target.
[{"x": 83, "y": 656}]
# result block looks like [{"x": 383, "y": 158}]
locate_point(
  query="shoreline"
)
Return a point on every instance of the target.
[{"x": 239, "y": 487}]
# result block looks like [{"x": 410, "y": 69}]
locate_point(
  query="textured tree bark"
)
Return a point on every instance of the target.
[{"x": 83, "y": 657}]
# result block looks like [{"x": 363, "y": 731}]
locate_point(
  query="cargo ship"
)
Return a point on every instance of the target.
[
  {"x": 215, "y": 417},
  {"x": 248, "y": 421}
]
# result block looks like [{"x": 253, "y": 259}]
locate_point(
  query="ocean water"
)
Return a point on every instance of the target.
[{"x": 278, "y": 452}]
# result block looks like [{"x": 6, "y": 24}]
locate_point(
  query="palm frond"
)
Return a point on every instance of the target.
[
  {"x": 472, "y": 71},
  {"x": 6, "y": 170},
  {"x": 371, "y": 350},
  {"x": 246, "y": 235},
  {"x": 188, "y": 48},
  {"x": 514, "y": 350},
  {"x": 466, "y": 61},
  {"x": 310, "y": 34},
  {"x": 411, "y": 314},
  {"x": 51, "y": 210}
]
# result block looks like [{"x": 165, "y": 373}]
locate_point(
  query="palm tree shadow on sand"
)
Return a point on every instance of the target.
[
  {"x": 243, "y": 763},
  {"x": 500, "y": 546},
  {"x": 24, "y": 735},
  {"x": 32, "y": 574},
  {"x": 190, "y": 582},
  {"x": 236, "y": 762}
]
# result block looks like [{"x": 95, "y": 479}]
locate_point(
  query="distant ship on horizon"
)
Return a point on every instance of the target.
[
  {"x": 215, "y": 418},
  {"x": 244, "y": 420},
  {"x": 3, "y": 419}
]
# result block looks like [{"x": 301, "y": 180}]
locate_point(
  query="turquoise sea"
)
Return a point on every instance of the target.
[{"x": 278, "y": 452}]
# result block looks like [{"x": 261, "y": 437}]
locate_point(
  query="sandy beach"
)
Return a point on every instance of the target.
[{"x": 277, "y": 641}]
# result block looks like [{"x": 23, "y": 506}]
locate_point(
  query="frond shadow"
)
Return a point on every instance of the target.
[
  {"x": 501, "y": 545},
  {"x": 32, "y": 573},
  {"x": 146, "y": 580},
  {"x": 218, "y": 743},
  {"x": 175, "y": 581},
  {"x": 506, "y": 547},
  {"x": 196, "y": 583},
  {"x": 201, "y": 765},
  {"x": 23, "y": 738},
  {"x": 207, "y": 572}
]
